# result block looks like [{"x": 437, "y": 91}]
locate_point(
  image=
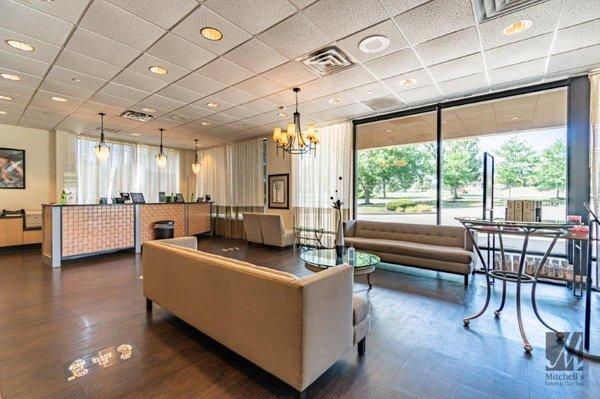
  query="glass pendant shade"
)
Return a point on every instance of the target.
[
  {"x": 102, "y": 151},
  {"x": 161, "y": 158}
]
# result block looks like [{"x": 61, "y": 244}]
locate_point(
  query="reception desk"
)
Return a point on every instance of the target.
[{"x": 76, "y": 231}]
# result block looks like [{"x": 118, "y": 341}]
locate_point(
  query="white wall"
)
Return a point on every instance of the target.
[{"x": 40, "y": 154}]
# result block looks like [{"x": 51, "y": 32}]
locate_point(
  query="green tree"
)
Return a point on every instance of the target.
[
  {"x": 427, "y": 166},
  {"x": 397, "y": 168},
  {"x": 461, "y": 164},
  {"x": 517, "y": 166},
  {"x": 551, "y": 170},
  {"x": 367, "y": 177}
]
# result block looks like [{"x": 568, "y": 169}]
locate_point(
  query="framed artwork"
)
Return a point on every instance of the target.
[
  {"x": 12, "y": 168},
  {"x": 279, "y": 191}
]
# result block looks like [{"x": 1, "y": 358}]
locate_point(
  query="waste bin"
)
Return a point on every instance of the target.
[{"x": 164, "y": 229}]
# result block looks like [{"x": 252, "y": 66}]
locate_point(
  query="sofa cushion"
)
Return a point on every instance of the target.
[
  {"x": 360, "y": 308},
  {"x": 428, "y": 251}
]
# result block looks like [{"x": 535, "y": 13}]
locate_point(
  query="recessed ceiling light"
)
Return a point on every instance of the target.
[
  {"x": 10, "y": 77},
  {"x": 150, "y": 110},
  {"x": 179, "y": 117},
  {"x": 213, "y": 105},
  {"x": 515, "y": 118},
  {"x": 211, "y": 33},
  {"x": 3, "y": 112},
  {"x": 76, "y": 80},
  {"x": 158, "y": 70},
  {"x": 388, "y": 130},
  {"x": 59, "y": 99},
  {"x": 19, "y": 45},
  {"x": 135, "y": 134},
  {"x": 205, "y": 123},
  {"x": 5, "y": 98},
  {"x": 374, "y": 44},
  {"x": 408, "y": 82},
  {"x": 517, "y": 27},
  {"x": 334, "y": 101},
  {"x": 282, "y": 114}
]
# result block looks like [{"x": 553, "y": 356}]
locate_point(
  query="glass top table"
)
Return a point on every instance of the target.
[{"x": 317, "y": 260}]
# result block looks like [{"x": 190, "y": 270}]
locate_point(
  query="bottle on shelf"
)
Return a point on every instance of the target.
[
  {"x": 192, "y": 198},
  {"x": 63, "y": 198}
]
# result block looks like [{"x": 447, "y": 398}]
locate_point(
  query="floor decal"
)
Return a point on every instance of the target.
[{"x": 99, "y": 359}]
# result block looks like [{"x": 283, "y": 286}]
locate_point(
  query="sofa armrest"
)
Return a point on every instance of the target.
[
  {"x": 467, "y": 240},
  {"x": 350, "y": 228},
  {"x": 185, "y": 242},
  {"x": 326, "y": 318}
]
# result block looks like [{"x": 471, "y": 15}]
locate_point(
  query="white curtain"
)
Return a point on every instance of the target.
[
  {"x": 130, "y": 168},
  {"x": 316, "y": 178},
  {"x": 595, "y": 120},
  {"x": 212, "y": 179}
]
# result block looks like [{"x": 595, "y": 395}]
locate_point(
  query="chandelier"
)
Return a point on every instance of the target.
[
  {"x": 101, "y": 150},
  {"x": 196, "y": 165},
  {"x": 161, "y": 158},
  {"x": 294, "y": 140}
]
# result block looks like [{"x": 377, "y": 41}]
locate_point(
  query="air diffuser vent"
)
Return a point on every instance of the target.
[
  {"x": 383, "y": 103},
  {"x": 137, "y": 116},
  {"x": 326, "y": 61},
  {"x": 489, "y": 9}
]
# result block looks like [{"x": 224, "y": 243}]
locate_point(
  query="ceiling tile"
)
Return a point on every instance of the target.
[
  {"x": 23, "y": 64},
  {"x": 518, "y": 72},
  {"x": 193, "y": 112},
  {"x": 259, "y": 86},
  {"x": 181, "y": 52},
  {"x": 163, "y": 103},
  {"x": 459, "y": 67},
  {"x": 44, "y": 52},
  {"x": 30, "y": 22},
  {"x": 313, "y": 89},
  {"x": 190, "y": 28},
  {"x": 34, "y": 113},
  {"x": 577, "y": 36},
  {"x": 435, "y": 19},
  {"x": 124, "y": 27},
  {"x": 225, "y": 72},
  {"x": 250, "y": 17},
  {"x": 368, "y": 92},
  {"x": 395, "y": 7},
  {"x": 355, "y": 110},
  {"x": 88, "y": 43},
  {"x": 139, "y": 81},
  {"x": 578, "y": 11},
  {"x": 68, "y": 10},
  {"x": 143, "y": 63},
  {"x": 36, "y": 124},
  {"x": 342, "y": 17},
  {"x": 11, "y": 118},
  {"x": 240, "y": 112},
  {"x": 386, "y": 28},
  {"x": 290, "y": 74},
  {"x": 295, "y": 36},
  {"x": 220, "y": 118},
  {"x": 200, "y": 84},
  {"x": 90, "y": 110},
  {"x": 233, "y": 96},
  {"x": 42, "y": 99},
  {"x": 255, "y": 56},
  {"x": 83, "y": 64},
  {"x": 222, "y": 105},
  {"x": 165, "y": 15},
  {"x": 261, "y": 106},
  {"x": 113, "y": 101},
  {"x": 302, "y": 3},
  {"x": 422, "y": 95},
  {"x": 17, "y": 100},
  {"x": 543, "y": 15},
  {"x": 448, "y": 47},
  {"x": 180, "y": 94},
  {"x": 66, "y": 76},
  {"x": 394, "y": 64},
  {"x": 462, "y": 87},
  {"x": 66, "y": 89},
  {"x": 588, "y": 57},
  {"x": 333, "y": 100},
  {"x": 515, "y": 53},
  {"x": 9, "y": 88},
  {"x": 350, "y": 77},
  {"x": 26, "y": 79},
  {"x": 125, "y": 92},
  {"x": 420, "y": 76}
]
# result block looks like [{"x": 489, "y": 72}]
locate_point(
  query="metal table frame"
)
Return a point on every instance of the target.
[{"x": 527, "y": 230}]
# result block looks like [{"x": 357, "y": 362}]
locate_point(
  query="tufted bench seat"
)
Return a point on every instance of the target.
[{"x": 441, "y": 248}]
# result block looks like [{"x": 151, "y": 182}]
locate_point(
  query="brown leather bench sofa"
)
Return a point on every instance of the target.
[{"x": 442, "y": 248}]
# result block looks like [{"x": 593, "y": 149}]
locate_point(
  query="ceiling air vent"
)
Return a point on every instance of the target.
[
  {"x": 109, "y": 129},
  {"x": 137, "y": 116},
  {"x": 489, "y": 9},
  {"x": 383, "y": 103},
  {"x": 326, "y": 61}
]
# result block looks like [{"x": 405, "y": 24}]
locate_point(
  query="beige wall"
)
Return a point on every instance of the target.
[
  {"x": 277, "y": 164},
  {"x": 40, "y": 150}
]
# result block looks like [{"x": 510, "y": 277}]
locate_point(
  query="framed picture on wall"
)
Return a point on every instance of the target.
[
  {"x": 12, "y": 168},
  {"x": 279, "y": 191}
]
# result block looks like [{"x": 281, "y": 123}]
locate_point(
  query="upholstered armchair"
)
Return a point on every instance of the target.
[
  {"x": 274, "y": 232},
  {"x": 252, "y": 227}
]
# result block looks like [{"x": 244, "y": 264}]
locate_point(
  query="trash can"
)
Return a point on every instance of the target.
[{"x": 164, "y": 229}]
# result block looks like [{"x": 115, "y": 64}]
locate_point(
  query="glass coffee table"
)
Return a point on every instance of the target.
[{"x": 317, "y": 260}]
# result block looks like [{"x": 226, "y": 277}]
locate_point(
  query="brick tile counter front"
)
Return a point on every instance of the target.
[{"x": 150, "y": 213}]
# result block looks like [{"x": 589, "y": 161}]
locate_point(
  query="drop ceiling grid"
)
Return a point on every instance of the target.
[{"x": 72, "y": 117}]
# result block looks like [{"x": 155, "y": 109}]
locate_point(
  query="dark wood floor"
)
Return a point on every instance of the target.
[{"x": 418, "y": 347}]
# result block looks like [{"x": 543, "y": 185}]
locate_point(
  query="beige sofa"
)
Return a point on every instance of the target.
[
  {"x": 441, "y": 248},
  {"x": 268, "y": 229},
  {"x": 294, "y": 328}
]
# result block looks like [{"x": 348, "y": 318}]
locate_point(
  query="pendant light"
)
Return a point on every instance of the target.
[
  {"x": 101, "y": 150},
  {"x": 161, "y": 158},
  {"x": 296, "y": 141},
  {"x": 196, "y": 165}
]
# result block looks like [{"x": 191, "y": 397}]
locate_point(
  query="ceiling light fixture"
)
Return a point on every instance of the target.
[
  {"x": 76, "y": 80},
  {"x": 282, "y": 114},
  {"x": 150, "y": 110},
  {"x": 179, "y": 118},
  {"x": 374, "y": 44},
  {"x": 517, "y": 27},
  {"x": 10, "y": 77},
  {"x": 515, "y": 118},
  {"x": 211, "y": 33},
  {"x": 19, "y": 45},
  {"x": 3, "y": 112},
  {"x": 161, "y": 158},
  {"x": 5, "y": 98},
  {"x": 335, "y": 101},
  {"x": 205, "y": 123},
  {"x": 158, "y": 70},
  {"x": 196, "y": 165},
  {"x": 213, "y": 105},
  {"x": 135, "y": 134},
  {"x": 58, "y": 99},
  {"x": 102, "y": 150},
  {"x": 295, "y": 141},
  {"x": 408, "y": 82}
]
